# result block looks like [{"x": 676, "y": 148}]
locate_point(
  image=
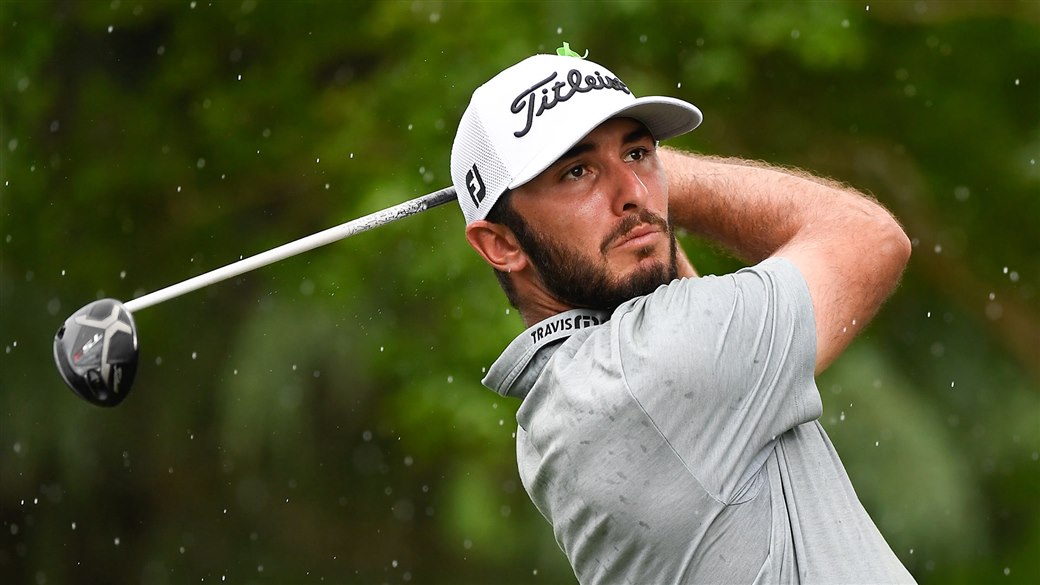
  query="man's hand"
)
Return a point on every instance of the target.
[{"x": 849, "y": 249}]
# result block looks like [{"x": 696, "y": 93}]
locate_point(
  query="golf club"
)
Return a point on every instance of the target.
[{"x": 96, "y": 349}]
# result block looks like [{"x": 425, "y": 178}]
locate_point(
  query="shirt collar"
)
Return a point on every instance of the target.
[{"x": 516, "y": 358}]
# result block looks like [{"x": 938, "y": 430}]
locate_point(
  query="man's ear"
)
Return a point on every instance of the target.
[{"x": 497, "y": 244}]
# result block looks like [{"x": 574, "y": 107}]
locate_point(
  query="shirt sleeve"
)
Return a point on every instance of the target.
[{"x": 722, "y": 366}]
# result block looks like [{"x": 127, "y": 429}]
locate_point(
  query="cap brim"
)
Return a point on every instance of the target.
[{"x": 665, "y": 117}]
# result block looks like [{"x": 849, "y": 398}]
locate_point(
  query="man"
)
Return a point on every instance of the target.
[{"x": 669, "y": 425}]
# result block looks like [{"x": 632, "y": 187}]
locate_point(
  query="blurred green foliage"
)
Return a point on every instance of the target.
[{"x": 322, "y": 420}]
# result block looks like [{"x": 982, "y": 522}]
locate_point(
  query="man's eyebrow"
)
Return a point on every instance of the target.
[
  {"x": 577, "y": 149},
  {"x": 638, "y": 134},
  {"x": 582, "y": 147}
]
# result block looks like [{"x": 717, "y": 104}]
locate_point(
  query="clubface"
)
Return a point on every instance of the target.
[{"x": 96, "y": 352}]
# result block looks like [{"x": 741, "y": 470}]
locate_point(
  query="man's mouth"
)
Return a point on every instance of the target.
[
  {"x": 635, "y": 230},
  {"x": 642, "y": 235}
]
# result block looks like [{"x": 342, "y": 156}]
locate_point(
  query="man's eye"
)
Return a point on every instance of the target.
[
  {"x": 576, "y": 172},
  {"x": 637, "y": 154}
]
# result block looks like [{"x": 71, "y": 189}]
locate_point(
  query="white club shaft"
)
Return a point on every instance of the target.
[{"x": 333, "y": 234}]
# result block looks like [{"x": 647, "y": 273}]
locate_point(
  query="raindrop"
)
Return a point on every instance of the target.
[
  {"x": 116, "y": 541},
  {"x": 559, "y": 30},
  {"x": 451, "y": 379},
  {"x": 110, "y": 29},
  {"x": 845, "y": 23},
  {"x": 122, "y": 275},
  {"x": 194, "y": 354}
]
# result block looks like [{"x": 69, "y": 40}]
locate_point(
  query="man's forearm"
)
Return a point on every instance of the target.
[{"x": 755, "y": 209}]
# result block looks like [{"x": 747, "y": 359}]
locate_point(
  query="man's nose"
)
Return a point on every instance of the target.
[{"x": 629, "y": 191}]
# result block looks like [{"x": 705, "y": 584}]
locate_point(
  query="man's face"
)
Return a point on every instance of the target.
[{"x": 595, "y": 222}]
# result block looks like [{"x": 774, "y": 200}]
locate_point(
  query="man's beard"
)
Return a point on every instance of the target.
[{"x": 582, "y": 281}]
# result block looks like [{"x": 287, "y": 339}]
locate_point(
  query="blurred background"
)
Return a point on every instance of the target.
[{"x": 322, "y": 420}]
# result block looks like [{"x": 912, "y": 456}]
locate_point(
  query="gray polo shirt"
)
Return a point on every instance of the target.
[{"x": 677, "y": 440}]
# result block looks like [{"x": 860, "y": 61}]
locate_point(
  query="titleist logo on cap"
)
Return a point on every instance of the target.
[{"x": 575, "y": 84}]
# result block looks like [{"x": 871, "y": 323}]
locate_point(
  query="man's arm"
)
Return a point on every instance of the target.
[{"x": 849, "y": 249}]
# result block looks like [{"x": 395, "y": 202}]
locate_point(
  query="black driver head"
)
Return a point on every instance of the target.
[{"x": 96, "y": 352}]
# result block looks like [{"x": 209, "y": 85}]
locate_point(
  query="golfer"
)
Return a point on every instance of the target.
[{"x": 669, "y": 425}]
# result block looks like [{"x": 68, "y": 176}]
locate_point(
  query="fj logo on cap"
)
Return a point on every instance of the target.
[
  {"x": 475, "y": 186},
  {"x": 556, "y": 94}
]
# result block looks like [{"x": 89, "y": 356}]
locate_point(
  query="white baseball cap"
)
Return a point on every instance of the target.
[{"x": 526, "y": 117}]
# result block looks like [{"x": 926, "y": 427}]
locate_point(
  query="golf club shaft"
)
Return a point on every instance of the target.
[{"x": 321, "y": 238}]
